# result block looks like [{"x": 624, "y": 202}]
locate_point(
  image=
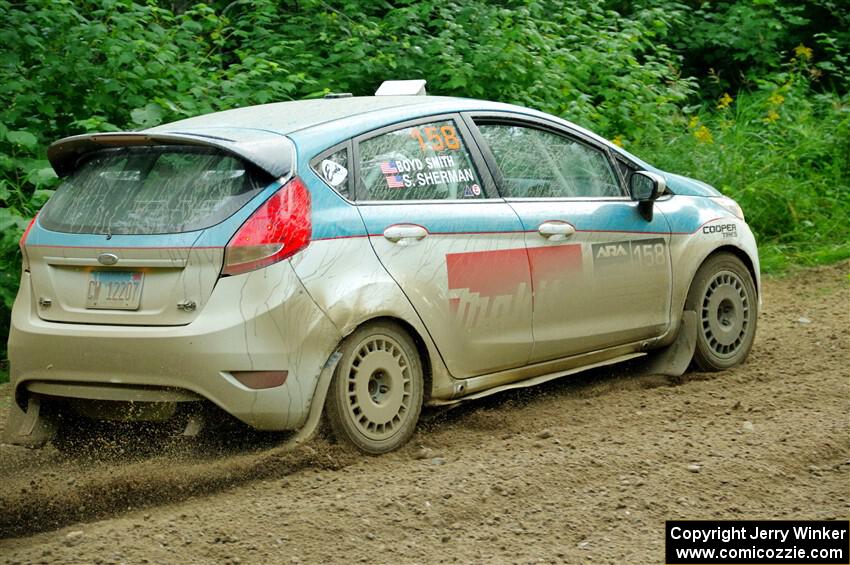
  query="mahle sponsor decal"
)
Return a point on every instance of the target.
[
  {"x": 645, "y": 253},
  {"x": 487, "y": 286},
  {"x": 723, "y": 230}
]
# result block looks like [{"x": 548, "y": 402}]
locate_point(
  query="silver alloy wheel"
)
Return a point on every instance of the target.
[
  {"x": 725, "y": 314},
  {"x": 379, "y": 387}
]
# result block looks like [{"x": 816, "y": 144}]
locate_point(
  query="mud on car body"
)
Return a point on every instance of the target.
[{"x": 356, "y": 258}]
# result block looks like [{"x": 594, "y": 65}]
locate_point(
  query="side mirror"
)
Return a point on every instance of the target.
[{"x": 645, "y": 187}]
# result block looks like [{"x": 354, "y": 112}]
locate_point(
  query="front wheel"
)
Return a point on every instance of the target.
[
  {"x": 376, "y": 393},
  {"x": 724, "y": 297}
]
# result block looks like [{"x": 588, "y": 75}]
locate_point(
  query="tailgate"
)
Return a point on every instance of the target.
[{"x": 144, "y": 286}]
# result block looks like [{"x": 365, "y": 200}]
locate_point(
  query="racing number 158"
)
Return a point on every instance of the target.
[
  {"x": 649, "y": 255},
  {"x": 444, "y": 137}
]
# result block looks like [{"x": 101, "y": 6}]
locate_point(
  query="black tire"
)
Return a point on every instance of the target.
[
  {"x": 724, "y": 297},
  {"x": 375, "y": 396}
]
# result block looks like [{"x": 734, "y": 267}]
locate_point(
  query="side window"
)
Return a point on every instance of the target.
[
  {"x": 540, "y": 164},
  {"x": 333, "y": 169},
  {"x": 423, "y": 162}
]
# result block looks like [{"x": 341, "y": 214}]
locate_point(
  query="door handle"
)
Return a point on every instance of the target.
[
  {"x": 405, "y": 234},
  {"x": 556, "y": 230}
]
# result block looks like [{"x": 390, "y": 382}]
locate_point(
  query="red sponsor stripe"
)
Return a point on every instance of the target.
[
  {"x": 494, "y": 273},
  {"x": 554, "y": 262},
  {"x": 488, "y": 273}
]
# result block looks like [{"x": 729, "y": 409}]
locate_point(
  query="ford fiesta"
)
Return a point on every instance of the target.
[{"x": 358, "y": 258}]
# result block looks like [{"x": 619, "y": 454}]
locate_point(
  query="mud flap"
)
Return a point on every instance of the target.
[
  {"x": 674, "y": 359},
  {"x": 30, "y": 428},
  {"x": 317, "y": 406}
]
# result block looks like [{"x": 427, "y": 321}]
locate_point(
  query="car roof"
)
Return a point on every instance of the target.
[
  {"x": 287, "y": 117},
  {"x": 317, "y": 124}
]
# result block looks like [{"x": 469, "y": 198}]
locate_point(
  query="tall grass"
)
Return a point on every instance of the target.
[{"x": 783, "y": 152}]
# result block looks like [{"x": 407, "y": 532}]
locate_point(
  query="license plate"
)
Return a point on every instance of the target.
[{"x": 114, "y": 290}]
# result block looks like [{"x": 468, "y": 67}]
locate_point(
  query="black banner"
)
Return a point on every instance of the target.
[{"x": 758, "y": 542}]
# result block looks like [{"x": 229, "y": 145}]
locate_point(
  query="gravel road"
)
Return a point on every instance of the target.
[{"x": 581, "y": 470}]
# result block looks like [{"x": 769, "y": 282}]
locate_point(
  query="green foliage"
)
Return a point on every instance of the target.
[
  {"x": 620, "y": 68},
  {"x": 732, "y": 44},
  {"x": 782, "y": 152}
]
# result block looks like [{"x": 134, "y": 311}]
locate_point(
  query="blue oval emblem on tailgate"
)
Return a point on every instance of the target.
[{"x": 107, "y": 259}]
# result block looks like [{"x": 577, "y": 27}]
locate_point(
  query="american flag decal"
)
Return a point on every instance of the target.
[
  {"x": 394, "y": 181},
  {"x": 389, "y": 168}
]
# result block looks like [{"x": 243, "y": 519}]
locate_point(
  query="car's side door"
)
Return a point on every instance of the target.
[
  {"x": 601, "y": 273},
  {"x": 454, "y": 247}
]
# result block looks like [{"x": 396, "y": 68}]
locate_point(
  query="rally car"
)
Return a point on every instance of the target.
[{"x": 356, "y": 258}]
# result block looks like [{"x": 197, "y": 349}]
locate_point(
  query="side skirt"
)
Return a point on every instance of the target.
[{"x": 485, "y": 385}]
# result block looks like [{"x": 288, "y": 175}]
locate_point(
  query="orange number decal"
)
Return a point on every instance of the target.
[
  {"x": 444, "y": 138},
  {"x": 437, "y": 143},
  {"x": 449, "y": 134},
  {"x": 417, "y": 135}
]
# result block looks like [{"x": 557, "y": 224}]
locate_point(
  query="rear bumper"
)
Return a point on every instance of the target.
[{"x": 263, "y": 320}]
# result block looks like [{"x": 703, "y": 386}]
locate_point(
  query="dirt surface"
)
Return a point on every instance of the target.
[{"x": 581, "y": 470}]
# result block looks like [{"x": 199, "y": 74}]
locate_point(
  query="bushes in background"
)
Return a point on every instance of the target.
[{"x": 660, "y": 76}]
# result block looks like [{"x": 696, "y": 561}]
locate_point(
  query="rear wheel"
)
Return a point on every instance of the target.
[
  {"x": 724, "y": 297},
  {"x": 376, "y": 393}
]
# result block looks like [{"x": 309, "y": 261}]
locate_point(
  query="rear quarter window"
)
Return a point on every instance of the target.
[
  {"x": 152, "y": 190},
  {"x": 333, "y": 168}
]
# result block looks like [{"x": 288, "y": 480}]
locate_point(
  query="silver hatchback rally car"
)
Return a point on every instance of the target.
[{"x": 357, "y": 258}]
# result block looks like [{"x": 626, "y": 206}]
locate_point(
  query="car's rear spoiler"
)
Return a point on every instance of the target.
[{"x": 270, "y": 152}]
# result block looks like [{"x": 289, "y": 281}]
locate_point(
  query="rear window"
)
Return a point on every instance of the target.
[{"x": 152, "y": 190}]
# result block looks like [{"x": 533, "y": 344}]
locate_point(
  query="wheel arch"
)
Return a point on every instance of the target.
[
  {"x": 689, "y": 272},
  {"x": 737, "y": 252},
  {"x": 421, "y": 347}
]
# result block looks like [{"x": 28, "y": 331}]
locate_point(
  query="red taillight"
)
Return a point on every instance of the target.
[
  {"x": 276, "y": 230},
  {"x": 23, "y": 239}
]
